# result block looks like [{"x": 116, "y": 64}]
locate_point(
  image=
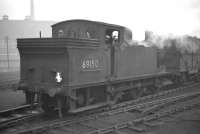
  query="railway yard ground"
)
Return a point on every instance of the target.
[
  {"x": 170, "y": 112},
  {"x": 8, "y": 97},
  {"x": 187, "y": 122}
]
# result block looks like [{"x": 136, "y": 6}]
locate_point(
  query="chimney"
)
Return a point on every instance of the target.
[
  {"x": 5, "y": 17},
  {"x": 148, "y": 36},
  {"x": 32, "y": 10}
]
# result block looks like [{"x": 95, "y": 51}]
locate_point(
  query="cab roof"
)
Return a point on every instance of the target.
[{"x": 89, "y": 21}]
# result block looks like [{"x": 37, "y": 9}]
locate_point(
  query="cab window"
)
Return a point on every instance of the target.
[{"x": 111, "y": 36}]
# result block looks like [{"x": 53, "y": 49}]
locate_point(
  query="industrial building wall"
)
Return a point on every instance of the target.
[
  {"x": 10, "y": 31},
  {"x": 9, "y": 56}
]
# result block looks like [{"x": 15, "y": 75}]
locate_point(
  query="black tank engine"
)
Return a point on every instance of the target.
[{"x": 89, "y": 64}]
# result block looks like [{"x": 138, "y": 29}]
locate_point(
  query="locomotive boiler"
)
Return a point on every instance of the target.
[{"x": 88, "y": 64}]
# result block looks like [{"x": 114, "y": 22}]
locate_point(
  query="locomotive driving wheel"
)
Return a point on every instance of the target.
[
  {"x": 117, "y": 97},
  {"x": 46, "y": 103},
  {"x": 30, "y": 97},
  {"x": 133, "y": 94},
  {"x": 80, "y": 100}
]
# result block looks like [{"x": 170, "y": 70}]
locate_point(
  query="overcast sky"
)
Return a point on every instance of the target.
[{"x": 178, "y": 17}]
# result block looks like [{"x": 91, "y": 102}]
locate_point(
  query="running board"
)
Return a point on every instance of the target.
[{"x": 81, "y": 109}]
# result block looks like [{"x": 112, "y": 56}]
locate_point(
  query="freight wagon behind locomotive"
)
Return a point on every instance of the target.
[
  {"x": 88, "y": 64},
  {"x": 184, "y": 63}
]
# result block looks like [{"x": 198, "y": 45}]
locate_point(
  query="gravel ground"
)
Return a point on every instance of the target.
[
  {"x": 187, "y": 122},
  {"x": 10, "y": 99}
]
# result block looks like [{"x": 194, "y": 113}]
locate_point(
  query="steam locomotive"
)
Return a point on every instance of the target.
[{"x": 88, "y": 64}]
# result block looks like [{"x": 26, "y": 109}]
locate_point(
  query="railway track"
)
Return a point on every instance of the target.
[
  {"x": 167, "y": 93},
  {"x": 134, "y": 110},
  {"x": 12, "y": 116},
  {"x": 143, "y": 123}
]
